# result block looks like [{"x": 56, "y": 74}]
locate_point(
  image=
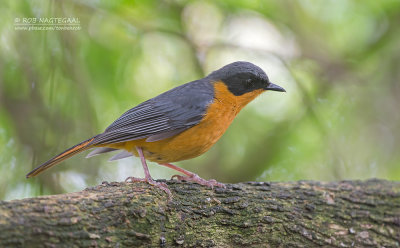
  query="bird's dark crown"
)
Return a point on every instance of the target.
[{"x": 241, "y": 77}]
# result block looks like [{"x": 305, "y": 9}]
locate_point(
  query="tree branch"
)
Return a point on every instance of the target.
[{"x": 293, "y": 214}]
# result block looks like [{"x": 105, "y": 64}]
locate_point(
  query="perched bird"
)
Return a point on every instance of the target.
[{"x": 179, "y": 124}]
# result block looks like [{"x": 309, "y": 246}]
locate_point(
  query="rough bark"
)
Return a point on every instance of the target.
[{"x": 254, "y": 214}]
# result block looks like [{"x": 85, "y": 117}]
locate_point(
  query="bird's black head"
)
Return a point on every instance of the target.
[{"x": 242, "y": 77}]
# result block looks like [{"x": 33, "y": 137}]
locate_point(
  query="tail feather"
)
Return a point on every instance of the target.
[{"x": 61, "y": 157}]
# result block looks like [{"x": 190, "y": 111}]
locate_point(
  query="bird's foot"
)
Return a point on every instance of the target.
[
  {"x": 195, "y": 178},
  {"x": 162, "y": 186}
]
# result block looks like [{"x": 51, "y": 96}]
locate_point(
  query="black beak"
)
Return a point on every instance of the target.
[{"x": 274, "y": 87}]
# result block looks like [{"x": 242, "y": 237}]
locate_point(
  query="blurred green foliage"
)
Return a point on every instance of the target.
[{"x": 339, "y": 61}]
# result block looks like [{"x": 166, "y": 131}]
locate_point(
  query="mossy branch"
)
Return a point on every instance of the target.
[{"x": 255, "y": 214}]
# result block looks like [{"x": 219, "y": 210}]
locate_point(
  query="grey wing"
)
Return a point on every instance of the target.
[{"x": 163, "y": 116}]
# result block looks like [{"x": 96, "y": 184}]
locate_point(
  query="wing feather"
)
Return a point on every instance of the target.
[{"x": 163, "y": 116}]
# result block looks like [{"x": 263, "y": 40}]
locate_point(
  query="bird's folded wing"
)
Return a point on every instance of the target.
[{"x": 161, "y": 117}]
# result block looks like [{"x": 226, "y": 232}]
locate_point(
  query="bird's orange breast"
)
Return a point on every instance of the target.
[{"x": 197, "y": 139}]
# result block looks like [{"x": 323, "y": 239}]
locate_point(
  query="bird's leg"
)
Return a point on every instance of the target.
[
  {"x": 147, "y": 178},
  {"x": 190, "y": 176}
]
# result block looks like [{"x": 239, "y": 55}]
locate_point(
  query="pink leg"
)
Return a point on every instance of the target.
[
  {"x": 190, "y": 176},
  {"x": 147, "y": 178}
]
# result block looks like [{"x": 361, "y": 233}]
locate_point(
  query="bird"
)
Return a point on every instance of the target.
[{"x": 179, "y": 124}]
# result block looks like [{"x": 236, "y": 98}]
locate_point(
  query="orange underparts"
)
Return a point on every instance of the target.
[{"x": 198, "y": 139}]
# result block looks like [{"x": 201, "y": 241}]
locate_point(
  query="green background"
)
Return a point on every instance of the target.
[{"x": 338, "y": 60}]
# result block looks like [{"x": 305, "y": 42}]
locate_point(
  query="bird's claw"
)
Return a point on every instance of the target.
[
  {"x": 195, "y": 178},
  {"x": 160, "y": 185}
]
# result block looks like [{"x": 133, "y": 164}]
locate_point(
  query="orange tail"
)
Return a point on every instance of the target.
[{"x": 61, "y": 157}]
